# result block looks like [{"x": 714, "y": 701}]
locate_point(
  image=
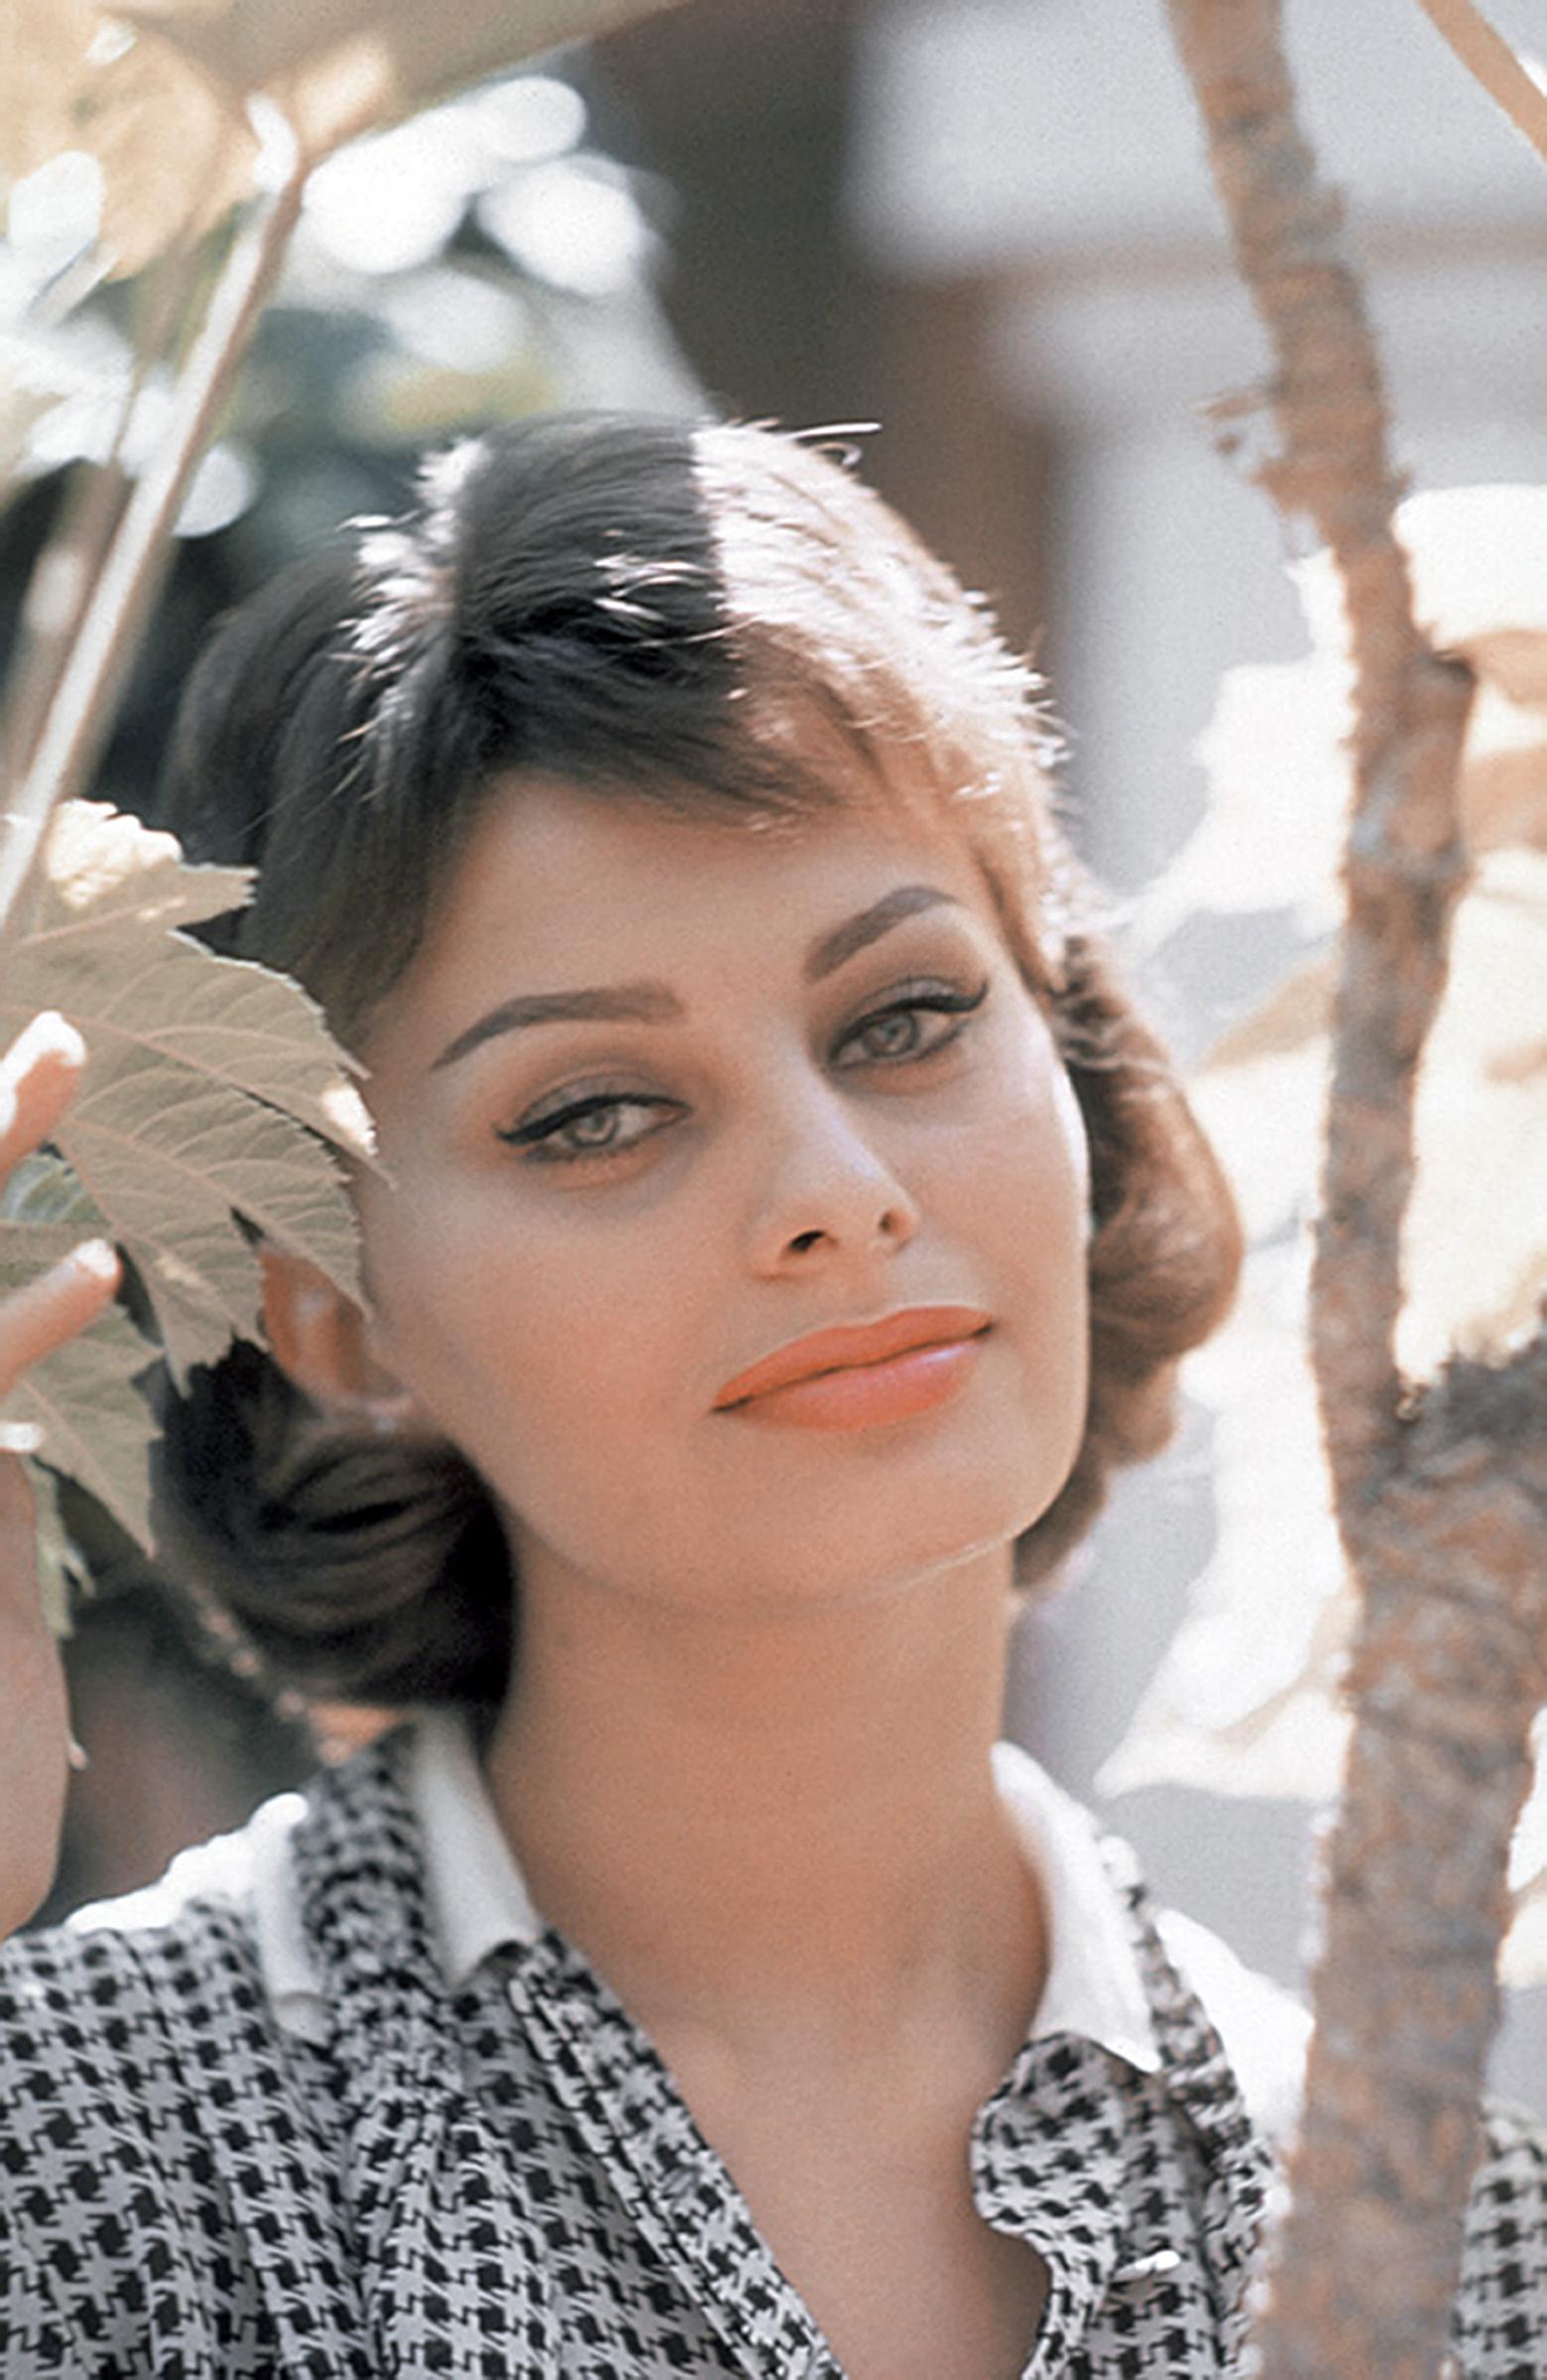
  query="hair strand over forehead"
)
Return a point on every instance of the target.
[{"x": 718, "y": 619}]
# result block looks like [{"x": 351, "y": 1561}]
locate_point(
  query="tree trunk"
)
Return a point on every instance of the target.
[{"x": 1441, "y": 1491}]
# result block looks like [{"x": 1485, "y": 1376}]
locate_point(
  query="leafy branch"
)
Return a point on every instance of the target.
[
  {"x": 320, "y": 74},
  {"x": 215, "y": 1106},
  {"x": 91, "y": 676},
  {"x": 1440, "y": 1489}
]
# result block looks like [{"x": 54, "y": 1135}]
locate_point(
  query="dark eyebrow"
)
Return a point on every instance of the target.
[
  {"x": 857, "y": 932},
  {"x": 656, "y": 1004},
  {"x": 631, "y": 1004}
]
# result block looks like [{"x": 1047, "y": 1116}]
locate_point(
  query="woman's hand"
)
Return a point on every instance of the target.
[{"x": 38, "y": 1075}]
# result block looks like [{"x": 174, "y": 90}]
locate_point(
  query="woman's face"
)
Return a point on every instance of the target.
[{"x": 660, "y": 1099}]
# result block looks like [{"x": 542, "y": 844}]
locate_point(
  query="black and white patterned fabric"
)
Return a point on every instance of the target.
[{"x": 503, "y": 2179}]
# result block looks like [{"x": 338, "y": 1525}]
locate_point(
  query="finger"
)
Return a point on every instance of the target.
[
  {"x": 43, "y": 1313},
  {"x": 38, "y": 1075}
]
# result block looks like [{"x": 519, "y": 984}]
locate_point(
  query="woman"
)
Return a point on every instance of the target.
[{"x": 783, "y": 1225}]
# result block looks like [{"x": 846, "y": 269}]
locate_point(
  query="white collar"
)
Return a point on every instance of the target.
[
  {"x": 1094, "y": 1986},
  {"x": 478, "y": 1900}
]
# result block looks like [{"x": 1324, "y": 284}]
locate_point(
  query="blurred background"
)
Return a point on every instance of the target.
[{"x": 985, "y": 227}]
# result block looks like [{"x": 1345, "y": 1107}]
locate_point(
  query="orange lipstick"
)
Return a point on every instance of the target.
[{"x": 859, "y": 1376}]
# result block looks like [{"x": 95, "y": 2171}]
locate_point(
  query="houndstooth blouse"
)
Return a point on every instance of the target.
[{"x": 496, "y": 2177}]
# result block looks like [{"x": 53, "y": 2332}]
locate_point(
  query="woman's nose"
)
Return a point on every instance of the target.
[{"x": 824, "y": 1185}]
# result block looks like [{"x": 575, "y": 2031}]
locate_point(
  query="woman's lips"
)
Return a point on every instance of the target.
[{"x": 860, "y": 1376}]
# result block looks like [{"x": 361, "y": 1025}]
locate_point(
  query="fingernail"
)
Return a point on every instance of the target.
[
  {"x": 96, "y": 1258},
  {"x": 46, "y": 1036}
]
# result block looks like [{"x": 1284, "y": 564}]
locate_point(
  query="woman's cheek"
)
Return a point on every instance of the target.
[
  {"x": 1076, "y": 1140},
  {"x": 531, "y": 1356}
]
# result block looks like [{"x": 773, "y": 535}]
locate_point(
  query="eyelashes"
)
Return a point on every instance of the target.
[
  {"x": 591, "y": 1127},
  {"x": 920, "y": 1022},
  {"x": 895, "y": 1033}
]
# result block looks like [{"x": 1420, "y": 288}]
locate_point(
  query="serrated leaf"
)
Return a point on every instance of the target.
[
  {"x": 212, "y": 1089},
  {"x": 140, "y": 994},
  {"x": 172, "y": 1164},
  {"x": 93, "y": 1420},
  {"x": 228, "y": 1023},
  {"x": 104, "y": 864}
]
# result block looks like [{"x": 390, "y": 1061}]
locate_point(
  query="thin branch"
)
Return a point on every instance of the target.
[
  {"x": 62, "y": 577},
  {"x": 58, "y": 588},
  {"x": 88, "y": 686},
  {"x": 1442, "y": 1529},
  {"x": 1485, "y": 54},
  {"x": 1405, "y": 866}
]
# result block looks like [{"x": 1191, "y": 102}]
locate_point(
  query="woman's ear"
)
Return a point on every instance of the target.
[{"x": 320, "y": 1339}]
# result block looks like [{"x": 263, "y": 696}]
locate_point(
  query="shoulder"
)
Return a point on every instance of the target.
[
  {"x": 126, "y": 2030},
  {"x": 162, "y": 2129},
  {"x": 263, "y": 1932},
  {"x": 122, "y": 2033},
  {"x": 160, "y": 1991},
  {"x": 110, "y": 1952}
]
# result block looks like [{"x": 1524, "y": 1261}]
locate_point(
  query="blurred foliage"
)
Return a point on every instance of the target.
[
  {"x": 187, "y": 107},
  {"x": 481, "y": 260},
  {"x": 1249, "y": 1699}
]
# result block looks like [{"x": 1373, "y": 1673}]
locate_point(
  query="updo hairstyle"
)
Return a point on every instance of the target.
[{"x": 672, "y": 614}]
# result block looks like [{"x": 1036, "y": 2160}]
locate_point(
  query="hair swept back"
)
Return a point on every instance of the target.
[{"x": 662, "y": 611}]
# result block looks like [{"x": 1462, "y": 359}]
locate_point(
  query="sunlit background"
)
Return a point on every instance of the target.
[{"x": 983, "y": 225}]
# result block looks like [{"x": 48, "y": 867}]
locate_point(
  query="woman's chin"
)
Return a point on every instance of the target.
[{"x": 856, "y": 1567}]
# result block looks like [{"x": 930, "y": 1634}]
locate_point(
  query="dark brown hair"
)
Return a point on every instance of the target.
[{"x": 681, "y": 615}]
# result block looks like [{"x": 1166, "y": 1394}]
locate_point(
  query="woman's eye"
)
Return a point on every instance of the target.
[
  {"x": 604, "y": 1124},
  {"x": 920, "y": 1022}
]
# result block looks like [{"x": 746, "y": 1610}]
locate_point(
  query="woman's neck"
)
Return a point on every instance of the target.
[{"x": 771, "y": 1827}]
